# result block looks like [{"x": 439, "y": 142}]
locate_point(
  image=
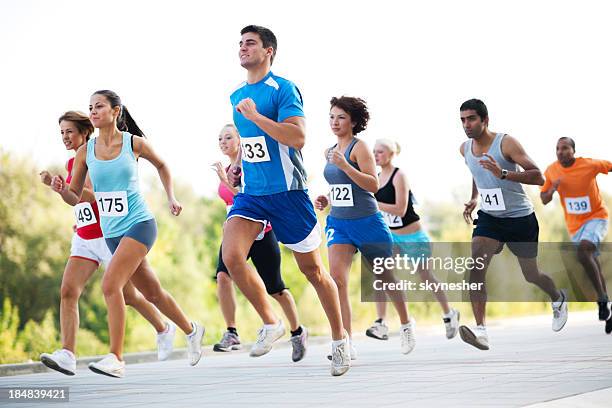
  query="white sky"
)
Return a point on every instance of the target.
[{"x": 542, "y": 67}]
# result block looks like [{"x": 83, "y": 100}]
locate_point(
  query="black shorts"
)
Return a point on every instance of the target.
[
  {"x": 266, "y": 257},
  {"x": 520, "y": 233}
]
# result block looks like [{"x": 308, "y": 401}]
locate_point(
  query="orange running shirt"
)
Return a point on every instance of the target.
[{"x": 578, "y": 190}]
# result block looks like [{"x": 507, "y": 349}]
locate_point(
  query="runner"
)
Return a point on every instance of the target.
[
  {"x": 396, "y": 202},
  {"x": 128, "y": 226},
  {"x": 88, "y": 251},
  {"x": 266, "y": 257},
  {"x": 586, "y": 215},
  {"x": 354, "y": 222},
  {"x": 269, "y": 117},
  {"x": 506, "y": 215}
]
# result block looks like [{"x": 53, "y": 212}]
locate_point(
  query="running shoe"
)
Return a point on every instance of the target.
[
  {"x": 298, "y": 343},
  {"x": 477, "y": 337},
  {"x": 165, "y": 342},
  {"x": 60, "y": 360},
  {"x": 109, "y": 365},
  {"x": 266, "y": 337},
  {"x": 604, "y": 310},
  {"x": 230, "y": 341},
  {"x": 609, "y": 325},
  {"x": 451, "y": 323},
  {"x": 560, "y": 312},
  {"x": 194, "y": 344},
  {"x": 378, "y": 330},
  {"x": 407, "y": 336},
  {"x": 341, "y": 359},
  {"x": 351, "y": 348}
]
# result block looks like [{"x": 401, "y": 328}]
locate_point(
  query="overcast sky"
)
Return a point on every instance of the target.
[{"x": 542, "y": 67}]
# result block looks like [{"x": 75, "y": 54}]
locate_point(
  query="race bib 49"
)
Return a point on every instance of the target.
[{"x": 83, "y": 212}]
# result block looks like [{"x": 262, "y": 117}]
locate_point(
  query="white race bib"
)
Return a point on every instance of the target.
[
  {"x": 492, "y": 199},
  {"x": 112, "y": 203},
  {"x": 83, "y": 212},
  {"x": 255, "y": 149},
  {"x": 578, "y": 205},
  {"x": 392, "y": 220},
  {"x": 341, "y": 195}
]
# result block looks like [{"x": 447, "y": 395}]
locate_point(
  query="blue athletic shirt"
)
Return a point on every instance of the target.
[{"x": 269, "y": 167}]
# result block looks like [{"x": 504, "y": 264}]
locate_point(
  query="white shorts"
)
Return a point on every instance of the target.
[{"x": 95, "y": 250}]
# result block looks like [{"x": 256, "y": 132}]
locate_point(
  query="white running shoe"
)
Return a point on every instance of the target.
[
  {"x": 407, "y": 336},
  {"x": 352, "y": 351},
  {"x": 560, "y": 312},
  {"x": 477, "y": 337},
  {"x": 60, "y": 360},
  {"x": 109, "y": 365},
  {"x": 451, "y": 323},
  {"x": 341, "y": 359},
  {"x": 378, "y": 330},
  {"x": 194, "y": 344},
  {"x": 265, "y": 338},
  {"x": 165, "y": 342}
]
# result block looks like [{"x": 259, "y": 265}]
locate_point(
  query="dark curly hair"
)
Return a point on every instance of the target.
[{"x": 357, "y": 110}]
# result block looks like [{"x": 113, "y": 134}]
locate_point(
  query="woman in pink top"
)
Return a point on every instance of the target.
[{"x": 265, "y": 254}]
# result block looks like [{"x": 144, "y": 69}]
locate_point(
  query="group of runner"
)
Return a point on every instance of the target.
[{"x": 264, "y": 189}]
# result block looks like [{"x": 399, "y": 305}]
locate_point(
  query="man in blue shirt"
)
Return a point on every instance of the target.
[{"x": 269, "y": 116}]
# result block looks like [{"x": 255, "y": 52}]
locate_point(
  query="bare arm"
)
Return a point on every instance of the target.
[
  {"x": 402, "y": 190},
  {"x": 143, "y": 149},
  {"x": 72, "y": 194},
  {"x": 547, "y": 196},
  {"x": 512, "y": 149},
  {"x": 290, "y": 132},
  {"x": 365, "y": 177}
]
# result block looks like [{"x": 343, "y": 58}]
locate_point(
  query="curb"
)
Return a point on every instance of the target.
[{"x": 9, "y": 370}]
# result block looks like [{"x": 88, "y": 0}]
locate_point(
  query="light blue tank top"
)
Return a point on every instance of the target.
[
  {"x": 348, "y": 200},
  {"x": 499, "y": 198},
  {"x": 115, "y": 184}
]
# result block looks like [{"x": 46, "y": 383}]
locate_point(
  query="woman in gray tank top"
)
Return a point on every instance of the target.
[{"x": 354, "y": 222}]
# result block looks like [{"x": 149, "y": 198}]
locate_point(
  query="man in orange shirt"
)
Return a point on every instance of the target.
[{"x": 586, "y": 215}]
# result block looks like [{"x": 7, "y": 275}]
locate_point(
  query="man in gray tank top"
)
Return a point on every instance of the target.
[{"x": 506, "y": 215}]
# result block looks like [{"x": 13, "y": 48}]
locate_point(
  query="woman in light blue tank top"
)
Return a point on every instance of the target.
[
  {"x": 128, "y": 226},
  {"x": 354, "y": 222}
]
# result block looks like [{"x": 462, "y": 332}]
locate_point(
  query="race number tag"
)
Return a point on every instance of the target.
[
  {"x": 341, "y": 195},
  {"x": 492, "y": 199},
  {"x": 255, "y": 149},
  {"x": 391, "y": 219},
  {"x": 83, "y": 212},
  {"x": 578, "y": 205},
  {"x": 112, "y": 203}
]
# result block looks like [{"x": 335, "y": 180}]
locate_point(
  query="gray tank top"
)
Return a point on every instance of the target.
[
  {"x": 348, "y": 200},
  {"x": 499, "y": 198}
]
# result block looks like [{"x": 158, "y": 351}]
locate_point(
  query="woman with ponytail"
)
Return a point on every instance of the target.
[
  {"x": 128, "y": 226},
  {"x": 396, "y": 203},
  {"x": 88, "y": 251}
]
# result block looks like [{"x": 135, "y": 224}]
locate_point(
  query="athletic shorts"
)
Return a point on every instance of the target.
[
  {"x": 370, "y": 235},
  {"x": 94, "y": 250},
  {"x": 519, "y": 233},
  {"x": 266, "y": 257},
  {"x": 593, "y": 231},
  {"x": 144, "y": 232},
  {"x": 415, "y": 245},
  {"x": 291, "y": 214}
]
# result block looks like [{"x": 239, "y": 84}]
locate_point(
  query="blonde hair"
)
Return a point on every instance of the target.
[
  {"x": 231, "y": 126},
  {"x": 393, "y": 146}
]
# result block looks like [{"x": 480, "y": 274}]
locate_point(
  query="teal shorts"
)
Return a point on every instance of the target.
[{"x": 413, "y": 245}]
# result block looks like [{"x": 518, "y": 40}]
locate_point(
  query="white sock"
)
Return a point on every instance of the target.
[
  {"x": 271, "y": 326},
  {"x": 70, "y": 353},
  {"x": 194, "y": 329}
]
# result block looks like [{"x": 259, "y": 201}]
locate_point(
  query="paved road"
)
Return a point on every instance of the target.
[{"x": 527, "y": 364}]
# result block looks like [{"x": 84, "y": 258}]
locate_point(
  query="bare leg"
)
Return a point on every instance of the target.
[
  {"x": 483, "y": 248},
  {"x": 227, "y": 298},
  {"x": 533, "y": 275},
  {"x": 440, "y": 295},
  {"x": 311, "y": 265},
  {"x": 287, "y": 303},
  {"x": 76, "y": 274},
  {"x": 238, "y": 237},
  {"x": 340, "y": 260},
  {"x": 135, "y": 299},
  {"x": 381, "y": 309},
  {"x": 586, "y": 256}
]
